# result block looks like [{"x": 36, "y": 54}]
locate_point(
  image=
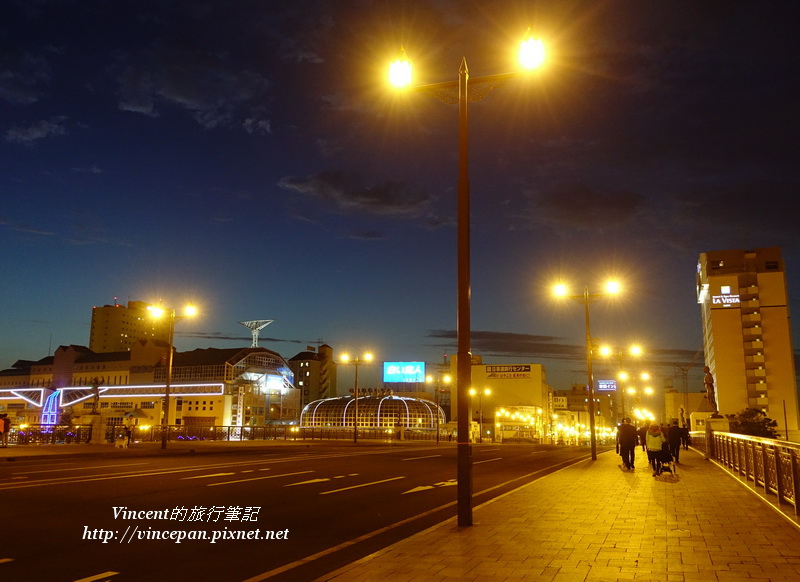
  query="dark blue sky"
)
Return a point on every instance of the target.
[{"x": 249, "y": 156}]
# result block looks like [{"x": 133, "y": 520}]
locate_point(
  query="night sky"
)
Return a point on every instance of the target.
[{"x": 249, "y": 156}]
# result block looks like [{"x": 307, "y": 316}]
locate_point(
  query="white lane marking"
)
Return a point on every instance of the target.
[
  {"x": 448, "y": 483},
  {"x": 309, "y": 482},
  {"x": 76, "y": 468},
  {"x": 256, "y": 478},
  {"x": 488, "y": 461},
  {"x": 418, "y": 458},
  {"x": 207, "y": 476},
  {"x": 362, "y": 485},
  {"x": 103, "y": 576}
]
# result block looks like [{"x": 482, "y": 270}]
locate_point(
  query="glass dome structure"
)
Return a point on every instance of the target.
[{"x": 373, "y": 412}]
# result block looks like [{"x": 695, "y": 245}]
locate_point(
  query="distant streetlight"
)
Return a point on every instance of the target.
[
  {"x": 480, "y": 394},
  {"x": 440, "y": 378},
  {"x": 611, "y": 288},
  {"x": 345, "y": 359},
  {"x": 160, "y": 313},
  {"x": 531, "y": 55},
  {"x": 622, "y": 375}
]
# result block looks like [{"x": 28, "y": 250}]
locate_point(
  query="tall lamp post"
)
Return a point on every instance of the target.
[
  {"x": 612, "y": 287},
  {"x": 480, "y": 393},
  {"x": 171, "y": 317},
  {"x": 531, "y": 56},
  {"x": 356, "y": 361}
]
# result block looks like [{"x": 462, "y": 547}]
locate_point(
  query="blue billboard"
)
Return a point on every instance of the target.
[
  {"x": 606, "y": 385},
  {"x": 404, "y": 371}
]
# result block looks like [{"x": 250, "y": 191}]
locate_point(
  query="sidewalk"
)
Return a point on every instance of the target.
[{"x": 594, "y": 521}]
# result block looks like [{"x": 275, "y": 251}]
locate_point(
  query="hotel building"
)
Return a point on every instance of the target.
[{"x": 747, "y": 334}]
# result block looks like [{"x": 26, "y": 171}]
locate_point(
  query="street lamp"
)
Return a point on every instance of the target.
[
  {"x": 531, "y": 56},
  {"x": 356, "y": 361},
  {"x": 171, "y": 317},
  {"x": 561, "y": 290},
  {"x": 438, "y": 388},
  {"x": 622, "y": 375},
  {"x": 473, "y": 392}
]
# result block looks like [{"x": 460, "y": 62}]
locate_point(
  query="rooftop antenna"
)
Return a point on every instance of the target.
[{"x": 255, "y": 326}]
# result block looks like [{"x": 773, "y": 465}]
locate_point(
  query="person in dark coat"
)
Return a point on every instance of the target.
[
  {"x": 627, "y": 438},
  {"x": 643, "y": 435},
  {"x": 674, "y": 438}
]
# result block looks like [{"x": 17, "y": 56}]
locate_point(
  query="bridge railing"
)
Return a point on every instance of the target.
[
  {"x": 771, "y": 465},
  {"x": 60, "y": 434}
]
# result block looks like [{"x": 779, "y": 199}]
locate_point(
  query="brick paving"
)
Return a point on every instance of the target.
[{"x": 594, "y": 521}]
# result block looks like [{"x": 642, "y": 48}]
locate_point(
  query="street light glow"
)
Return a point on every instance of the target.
[
  {"x": 400, "y": 71},
  {"x": 531, "y": 53},
  {"x": 613, "y": 287}
]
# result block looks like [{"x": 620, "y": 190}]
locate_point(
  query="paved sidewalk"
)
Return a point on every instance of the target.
[{"x": 594, "y": 521}]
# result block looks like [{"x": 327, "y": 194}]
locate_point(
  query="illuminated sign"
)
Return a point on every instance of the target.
[
  {"x": 404, "y": 371},
  {"x": 509, "y": 371},
  {"x": 725, "y": 300},
  {"x": 606, "y": 385}
]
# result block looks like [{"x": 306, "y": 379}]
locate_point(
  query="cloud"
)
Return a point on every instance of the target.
[
  {"x": 543, "y": 347},
  {"x": 248, "y": 339},
  {"x": 28, "y": 135},
  {"x": 88, "y": 170},
  {"x": 208, "y": 85},
  {"x": 21, "y": 75},
  {"x": 578, "y": 205},
  {"x": 763, "y": 206},
  {"x": 347, "y": 193},
  {"x": 24, "y": 227}
]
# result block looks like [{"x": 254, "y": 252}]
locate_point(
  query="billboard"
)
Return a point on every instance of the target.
[
  {"x": 404, "y": 371},
  {"x": 606, "y": 385}
]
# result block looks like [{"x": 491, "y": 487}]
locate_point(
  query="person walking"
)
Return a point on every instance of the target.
[
  {"x": 674, "y": 437},
  {"x": 654, "y": 441},
  {"x": 5, "y": 429},
  {"x": 627, "y": 438}
]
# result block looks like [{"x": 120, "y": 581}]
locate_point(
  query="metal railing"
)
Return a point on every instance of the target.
[
  {"x": 772, "y": 466},
  {"x": 59, "y": 434},
  {"x": 49, "y": 434}
]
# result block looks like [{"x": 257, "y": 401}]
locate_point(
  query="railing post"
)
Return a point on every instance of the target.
[
  {"x": 795, "y": 482},
  {"x": 778, "y": 474},
  {"x": 765, "y": 466}
]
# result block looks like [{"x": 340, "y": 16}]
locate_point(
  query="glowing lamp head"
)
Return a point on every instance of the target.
[
  {"x": 190, "y": 310},
  {"x": 400, "y": 71},
  {"x": 531, "y": 53},
  {"x": 613, "y": 287},
  {"x": 560, "y": 290}
]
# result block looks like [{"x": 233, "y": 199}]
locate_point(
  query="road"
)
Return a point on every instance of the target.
[{"x": 281, "y": 513}]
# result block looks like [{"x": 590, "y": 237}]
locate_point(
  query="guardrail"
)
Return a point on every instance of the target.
[
  {"x": 59, "y": 434},
  {"x": 771, "y": 465}
]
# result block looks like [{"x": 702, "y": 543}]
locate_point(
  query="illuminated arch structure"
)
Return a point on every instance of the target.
[{"x": 373, "y": 412}]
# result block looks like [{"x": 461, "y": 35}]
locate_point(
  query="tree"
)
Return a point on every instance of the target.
[{"x": 753, "y": 422}]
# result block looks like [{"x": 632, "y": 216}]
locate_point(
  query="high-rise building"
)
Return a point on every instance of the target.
[
  {"x": 747, "y": 334},
  {"x": 116, "y": 327}
]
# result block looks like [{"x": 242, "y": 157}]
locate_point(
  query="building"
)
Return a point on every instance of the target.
[
  {"x": 314, "y": 374},
  {"x": 747, "y": 334},
  {"x": 504, "y": 386},
  {"x": 116, "y": 327},
  {"x": 209, "y": 387}
]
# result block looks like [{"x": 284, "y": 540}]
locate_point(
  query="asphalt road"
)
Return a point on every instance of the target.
[{"x": 289, "y": 513}]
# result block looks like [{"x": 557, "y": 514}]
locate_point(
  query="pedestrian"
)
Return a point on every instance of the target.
[
  {"x": 5, "y": 429},
  {"x": 627, "y": 438},
  {"x": 655, "y": 440},
  {"x": 674, "y": 437},
  {"x": 128, "y": 434},
  {"x": 685, "y": 438},
  {"x": 642, "y": 437}
]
